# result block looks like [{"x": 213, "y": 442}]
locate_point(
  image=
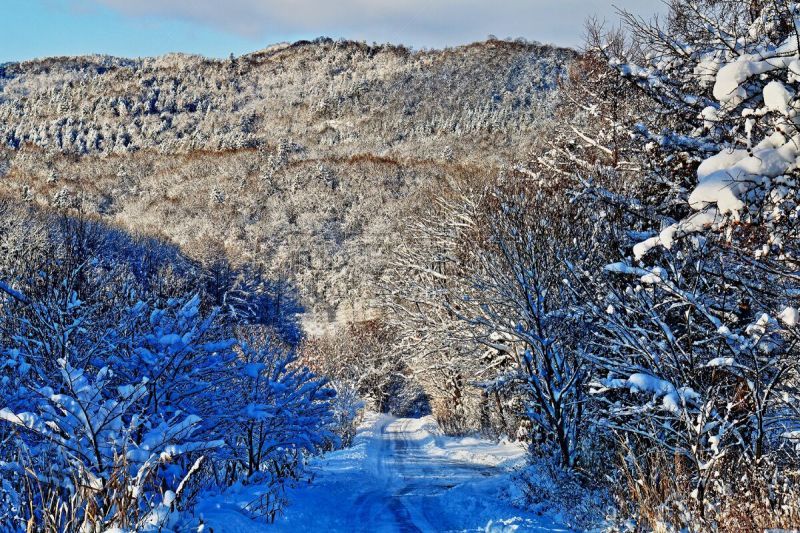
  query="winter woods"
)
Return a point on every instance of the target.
[
  {"x": 633, "y": 285},
  {"x": 127, "y": 392},
  {"x": 594, "y": 254}
]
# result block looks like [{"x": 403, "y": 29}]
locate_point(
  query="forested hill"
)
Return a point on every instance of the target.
[
  {"x": 299, "y": 158},
  {"x": 345, "y": 95}
]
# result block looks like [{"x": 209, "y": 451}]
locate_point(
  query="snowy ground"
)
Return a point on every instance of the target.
[{"x": 401, "y": 474}]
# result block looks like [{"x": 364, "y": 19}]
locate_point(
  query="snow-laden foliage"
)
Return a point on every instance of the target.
[
  {"x": 363, "y": 358},
  {"x": 696, "y": 347},
  {"x": 427, "y": 271},
  {"x": 279, "y": 399},
  {"x": 733, "y": 84},
  {"x": 118, "y": 404},
  {"x": 515, "y": 303},
  {"x": 488, "y": 321},
  {"x": 180, "y": 103}
]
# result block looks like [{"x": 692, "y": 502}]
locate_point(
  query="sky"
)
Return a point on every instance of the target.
[{"x": 217, "y": 28}]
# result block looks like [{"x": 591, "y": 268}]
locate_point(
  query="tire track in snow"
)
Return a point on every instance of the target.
[{"x": 372, "y": 506}]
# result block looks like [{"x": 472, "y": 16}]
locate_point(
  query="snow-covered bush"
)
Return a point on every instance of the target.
[
  {"x": 117, "y": 403},
  {"x": 347, "y": 411},
  {"x": 684, "y": 366},
  {"x": 284, "y": 411},
  {"x": 111, "y": 439},
  {"x": 105, "y": 462},
  {"x": 548, "y": 490}
]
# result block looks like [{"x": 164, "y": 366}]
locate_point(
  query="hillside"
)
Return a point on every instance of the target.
[
  {"x": 299, "y": 158},
  {"x": 498, "y": 287}
]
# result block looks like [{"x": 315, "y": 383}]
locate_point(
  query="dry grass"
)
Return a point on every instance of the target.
[{"x": 656, "y": 490}]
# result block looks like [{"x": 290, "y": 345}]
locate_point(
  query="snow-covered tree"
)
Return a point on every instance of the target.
[
  {"x": 425, "y": 272},
  {"x": 363, "y": 356},
  {"x": 696, "y": 338},
  {"x": 518, "y": 305}
]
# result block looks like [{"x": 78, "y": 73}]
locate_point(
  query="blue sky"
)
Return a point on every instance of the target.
[{"x": 134, "y": 28}]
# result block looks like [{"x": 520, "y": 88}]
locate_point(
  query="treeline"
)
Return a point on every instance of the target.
[
  {"x": 133, "y": 380},
  {"x": 313, "y": 91}
]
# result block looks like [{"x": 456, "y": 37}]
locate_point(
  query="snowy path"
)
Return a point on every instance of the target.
[{"x": 400, "y": 475}]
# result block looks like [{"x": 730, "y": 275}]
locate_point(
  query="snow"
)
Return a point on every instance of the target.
[
  {"x": 759, "y": 327},
  {"x": 721, "y": 361},
  {"x": 793, "y": 437},
  {"x": 656, "y": 275},
  {"x": 622, "y": 268},
  {"x": 673, "y": 399},
  {"x": 723, "y": 182},
  {"x": 794, "y": 71},
  {"x": 789, "y": 316},
  {"x": 728, "y": 86},
  {"x": 710, "y": 116},
  {"x": 777, "y": 97},
  {"x": 646, "y": 382},
  {"x": 721, "y": 189},
  {"x": 169, "y": 339},
  {"x": 732, "y": 181},
  {"x": 401, "y": 474},
  {"x": 691, "y": 224},
  {"x": 725, "y": 178},
  {"x": 253, "y": 370}
]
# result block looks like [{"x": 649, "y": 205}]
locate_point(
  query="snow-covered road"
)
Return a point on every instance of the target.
[{"x": 402, "y": 475}]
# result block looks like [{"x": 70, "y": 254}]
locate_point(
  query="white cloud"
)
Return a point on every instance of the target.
[{"x": 416, "y": 22}]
